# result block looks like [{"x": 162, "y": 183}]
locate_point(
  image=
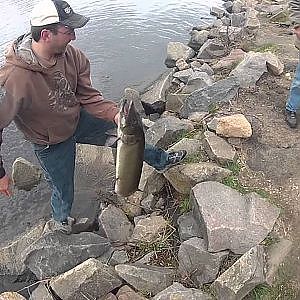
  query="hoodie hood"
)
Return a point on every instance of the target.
[{"x": 20, "y": 54}]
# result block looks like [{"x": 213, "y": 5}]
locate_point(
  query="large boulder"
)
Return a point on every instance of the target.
[{"x": 231, "y": 220}]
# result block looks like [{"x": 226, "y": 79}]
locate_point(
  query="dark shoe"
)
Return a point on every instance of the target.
[
  {"x": 64, "y": 226},
  {"x": 291, "y": 118},
  {"x": 174, "y": 158}
]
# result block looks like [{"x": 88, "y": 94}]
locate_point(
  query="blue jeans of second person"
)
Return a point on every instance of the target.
[
  {"x": 58, "y": 161},
  {"x": 293, "y": 103}
]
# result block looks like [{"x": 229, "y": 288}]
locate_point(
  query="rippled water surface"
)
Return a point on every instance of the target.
[{"x": 126, "y": 42}]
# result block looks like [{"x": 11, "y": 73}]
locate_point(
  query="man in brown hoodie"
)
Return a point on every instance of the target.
[{"x": 45, "y": 88}]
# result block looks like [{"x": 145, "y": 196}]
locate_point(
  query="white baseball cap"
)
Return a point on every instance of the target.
[{"x": 56, "y": 11}]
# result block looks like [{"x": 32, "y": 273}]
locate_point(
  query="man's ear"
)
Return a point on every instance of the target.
[{"x": 45, "y": 34}]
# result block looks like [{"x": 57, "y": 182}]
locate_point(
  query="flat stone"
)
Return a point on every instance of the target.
[
  {"x": 91, "y": 279},
  {"x": 197, "y": 263},
  {"x": 231, "y": 220},
  {"x": 242, "y": 277},
  {"x": 178, "y": 292},
  {"x": 149, "y": 279}
]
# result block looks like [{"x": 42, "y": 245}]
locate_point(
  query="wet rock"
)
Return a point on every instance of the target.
[
  {"x": 11, "y": 296},
  {"x": 198, "y": 38},
  {"x": 184, "y": 177},
  {"x": 276, "y": 254},
  {"x": 25, "y": 175},
  {"x": 179, "y": 292},
  {"x": 149, "y": 279},
  {"x": 177, "y": 50},
  {"x": 127, "y": 293},
  {"x": 217, "y": 12},
  {"x": 231, "y": 220},
  {"x": 197, "y": 263},
  {"x": 166, "y": 130},
  {"x": 234, "y": 126},
  {"x": 218, "y": 149},
  {"x": 56, "y": 252},
  {"x": 148, "y": 229},
  {"x": 188, "y": 227},
  {"x": 200, "y": 100},
  {"x": 90, "y": 279},
  {"x": 243, "y": 276},
  {"x": 115, "y": 224},
  {"x": 212, "y": 48},
  {"x": 12, "y": 256}
]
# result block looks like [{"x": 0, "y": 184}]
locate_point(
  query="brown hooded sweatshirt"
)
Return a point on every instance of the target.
[{"x": 45, "y": 102}]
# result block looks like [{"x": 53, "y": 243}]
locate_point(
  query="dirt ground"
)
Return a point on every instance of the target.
[{"x": 272, "y": 154}]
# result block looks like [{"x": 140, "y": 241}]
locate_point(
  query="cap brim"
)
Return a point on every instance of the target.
[{"x": 75, "y": 21}]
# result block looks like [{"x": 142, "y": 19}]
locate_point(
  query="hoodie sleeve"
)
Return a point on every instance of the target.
[
  {"x": 90, "y": 98},
  {"x": 8, "y": 109},
  {"x": 295, "y": 12}
]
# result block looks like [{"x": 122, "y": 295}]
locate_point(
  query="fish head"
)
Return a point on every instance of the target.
[{"x": 129, "y": 120}]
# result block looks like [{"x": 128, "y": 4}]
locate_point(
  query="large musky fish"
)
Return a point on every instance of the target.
[{"x": 130, "y": 150}]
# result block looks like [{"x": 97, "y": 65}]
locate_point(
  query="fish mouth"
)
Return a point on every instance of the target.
[{"x": 129, "y": 116}]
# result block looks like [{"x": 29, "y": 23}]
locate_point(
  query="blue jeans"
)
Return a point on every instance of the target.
[
  {"x": 293, "y": 103},
  {"x": 58, "y": 161}
]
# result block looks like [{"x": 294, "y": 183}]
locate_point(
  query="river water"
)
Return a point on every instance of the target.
[{"x": 126, "y": 42}]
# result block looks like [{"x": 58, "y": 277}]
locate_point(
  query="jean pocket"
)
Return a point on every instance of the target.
[{"x": 40, "y": 148}]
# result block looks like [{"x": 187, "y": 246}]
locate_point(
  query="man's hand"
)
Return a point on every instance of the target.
[
  {"x": 5, "y": 186},
  {"x": 296, "y": 31}
]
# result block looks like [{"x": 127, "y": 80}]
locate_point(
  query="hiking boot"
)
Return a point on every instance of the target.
[
  {"x": 174, "y": 158},
  {"x": 64, "y": 226},
  {"x": 291, "y": 118}
]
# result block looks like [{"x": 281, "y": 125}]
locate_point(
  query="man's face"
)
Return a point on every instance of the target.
[{"x": 62, "y": 38}]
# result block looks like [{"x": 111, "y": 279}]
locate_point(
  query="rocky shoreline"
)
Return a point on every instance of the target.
[{"x": 188, "y": 233}]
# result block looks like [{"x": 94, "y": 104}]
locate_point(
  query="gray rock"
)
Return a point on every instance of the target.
[
  {"x": 252, "y": 21},
  {"x": 198, "y": 38},
  {"x": 179, "y": 292},
  {"x": 192, "y": 146},
  {"x": 177, "y": 50},
  {"x": 149, "y": 279},
  {"x": 184, "y": 177},
  {"x": 197, "y": 263},
  {"x": 212, "y": 48},
  {"x": 131, "y": 205},
  {"x": 109, "y": 296},
  {"x": 41, "y": 293},
  {"x": 119, "y": 257},
  {"x": 218, "y": 149},
  {"x": 188, "y": 227},
  {"x": 203, "y": 68},
  {"x": 228, "y": 6},
  {"x": 217, "y": 12},
  {"x": 175, "y": 101},
  {"x": 243, "y": 276},
  {"x": 166, "y": 130},
  {"x": 83, "y": 225},
  {"x": 148, "y": 203},
  {"x": 250, "y": 69},
  {"x": 25, "y": 175},
  {"x": 91, "y": 279},
  {"x": 231, "y": 220},
  {"x": 12, "y": 256},
  {"x": 56, "y": 252},
  {"x": 200, "y": 101},
  {"x": 127, "y": 293},
  {"x": 238, "y": 19},
  {"x": 197, "y": 81},
  {"x": 115, "y": 224}
]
